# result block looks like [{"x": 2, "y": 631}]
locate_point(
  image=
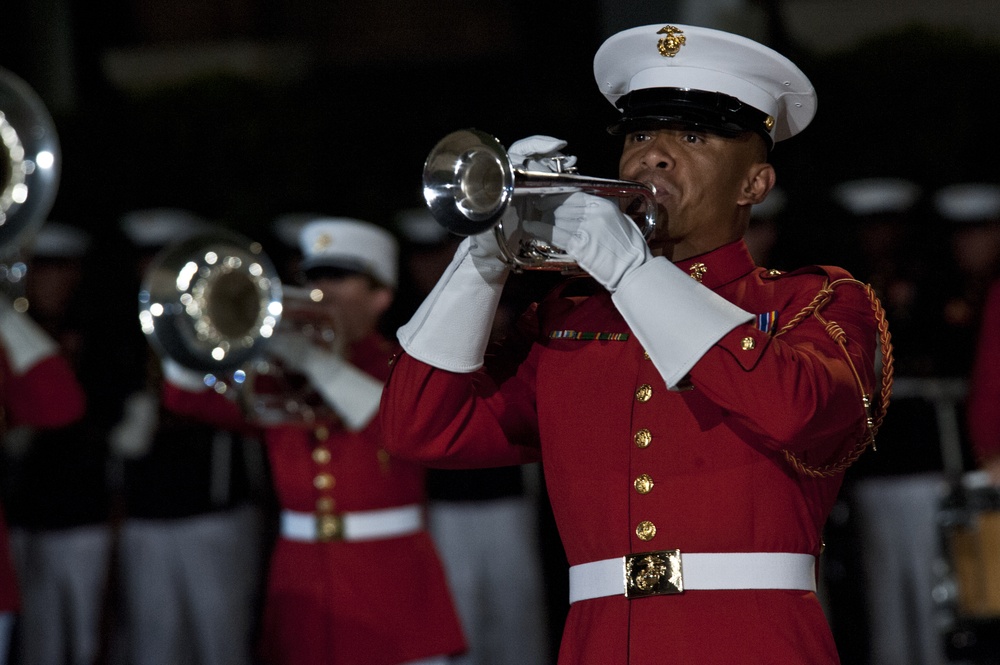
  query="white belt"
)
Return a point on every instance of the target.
[
  {"x": 669, "y": 572},
  {"x": 360, "y": 525}
]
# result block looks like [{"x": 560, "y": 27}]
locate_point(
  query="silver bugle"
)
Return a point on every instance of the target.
[{"x": 469, "y": 182}]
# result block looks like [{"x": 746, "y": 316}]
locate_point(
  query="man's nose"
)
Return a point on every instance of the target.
[{"x": 658, "y": 155}]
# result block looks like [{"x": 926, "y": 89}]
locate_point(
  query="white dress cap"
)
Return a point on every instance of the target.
[
  {"x": 350, "y": 244},
  {"x": 56, "y": 240},
  {"x": 969, "y": 202},
  {"x": 158, "y": 227},
  {"x": 681, "y": 59},
  {"x": 877, "y": 196}
]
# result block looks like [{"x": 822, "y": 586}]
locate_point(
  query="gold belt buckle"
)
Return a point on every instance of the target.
[
  {"x": 653, "y": 574},
  {"x": 329, "y": 527}
]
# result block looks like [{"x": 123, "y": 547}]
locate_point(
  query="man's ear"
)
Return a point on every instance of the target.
[
  {"x": 381, "y": 299},
  {"x": 759, "y": 181}
]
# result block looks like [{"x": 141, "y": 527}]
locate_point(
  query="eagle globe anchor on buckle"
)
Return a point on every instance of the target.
[{"x": 653, "y": 574}]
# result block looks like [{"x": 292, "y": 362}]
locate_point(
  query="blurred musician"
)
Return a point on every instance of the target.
[
  {"x": 38, "y": 390},
  {"x": 354, "y": 576}
]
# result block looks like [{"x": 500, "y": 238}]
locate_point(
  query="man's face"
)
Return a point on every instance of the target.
[
  {"x": 353, "y": 303},
  {"x": 705, "y": 184}
]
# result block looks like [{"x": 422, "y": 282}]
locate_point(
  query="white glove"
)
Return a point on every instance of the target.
[
  {"x": 182, "y": 377},
  {"x": 676, "y": 319},
  {"x": 540, "y": 153},
  {"x": 292, "y": 348},
  {"x": 352, "y": 393},
  {"x": 451, "y": 328},
  {"x": 599, "y": 237},
  {"x": 132, "y": 436},
  {"x": 24, "y": 341}
]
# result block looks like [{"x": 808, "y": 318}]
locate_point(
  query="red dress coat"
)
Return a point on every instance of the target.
[
  {"x": 714, "y": 453},
  {"x": 983, "y": 402},
  {"x": 47, "y": 395},
  {"x": 379, "y": 602}
]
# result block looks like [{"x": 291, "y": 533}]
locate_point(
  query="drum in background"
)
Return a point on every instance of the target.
[
  {"x": 975, "y": 551},
  {"x": 970, "y": 528}
]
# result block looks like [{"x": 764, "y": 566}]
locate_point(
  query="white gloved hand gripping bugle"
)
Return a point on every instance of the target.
[
  {"x": 676, "y": 319},
  {"x": 451, "y": 328},
  {"x": 352, "y": 393}
]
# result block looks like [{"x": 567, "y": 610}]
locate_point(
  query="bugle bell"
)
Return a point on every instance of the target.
[
  {"x": 213, "y": 302},
  {"x": 469, "y": 183},
  {"x": 210, "y": 302},
  {"x": 29, "y": 177}
]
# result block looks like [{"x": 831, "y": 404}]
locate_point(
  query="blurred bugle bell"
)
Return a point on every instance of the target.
[
  {"x": 213, "y": 303},
  {"x": 469, "y": 183},
  {"x": 29, "y": 175}
]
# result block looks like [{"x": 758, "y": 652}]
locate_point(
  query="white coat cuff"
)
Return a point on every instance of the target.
[
  {"x": 24, "y": 341},
  {"x": 451, "y": 328},
  {"x": 675, "y": 318},
  {"x": 353, "y": 394}
]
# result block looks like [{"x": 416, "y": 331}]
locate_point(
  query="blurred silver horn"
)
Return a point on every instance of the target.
[
  {"x": 469, "y": 182},
  {"x": 211, "y": 302},
  {"x": 29, "y": 177}
]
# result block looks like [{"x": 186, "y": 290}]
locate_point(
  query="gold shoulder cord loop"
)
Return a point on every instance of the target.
[{"x": 836, "y": 333}]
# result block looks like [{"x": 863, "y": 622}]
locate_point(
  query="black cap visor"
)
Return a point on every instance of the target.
[{"x": 705, "y": 111}]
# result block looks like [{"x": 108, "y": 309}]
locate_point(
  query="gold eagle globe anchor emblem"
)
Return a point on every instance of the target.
[{"x": 672, "y": 43}]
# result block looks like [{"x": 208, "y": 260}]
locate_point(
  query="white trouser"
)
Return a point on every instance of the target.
[
  {"x": 63, "y": 575},
  {"x": 191, "y": 587},
  {"x": 491, "y": 556},
  {"x": 900, "y": 548},
  {"x": 6, "y": 628}
]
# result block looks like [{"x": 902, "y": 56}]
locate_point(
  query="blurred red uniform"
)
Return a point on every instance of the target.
[
  {"x": 983, "y": 402},
  {"x": 378, "y": 601},
  {"x": 44, "y": 395}
]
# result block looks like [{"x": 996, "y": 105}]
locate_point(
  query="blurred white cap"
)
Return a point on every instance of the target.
[
  {"x": 56, "y": 240},
  {"x": 350, "y": 244},
  {"x": 876, "y": 196},
  {"x": 157, "y": 227},
  {"x": 969, "y": 202}
]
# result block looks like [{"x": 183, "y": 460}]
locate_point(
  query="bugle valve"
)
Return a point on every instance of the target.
[{"x": 469, "y": 183}]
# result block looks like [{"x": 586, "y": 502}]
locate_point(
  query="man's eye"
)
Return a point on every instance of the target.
[
  {"x": 692, "y": 138},
  {"x": 639, "y": 137}
]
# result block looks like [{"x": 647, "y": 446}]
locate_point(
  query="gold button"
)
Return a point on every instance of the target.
[
  {"x": 321, "y": 455},
  {"x": 646, "y": 530},
  {"x": 645, "y": 355},
  {"x": 747, "y": 343},
  {"x": 644, "y": 392},
  {"x": 321, "y": 433},
  {"x": 643, "y": 484},
  {"x": 323, "y": 481},
  {"x": 324, "y": 504},
  {"x": 643, "y": 438}
]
